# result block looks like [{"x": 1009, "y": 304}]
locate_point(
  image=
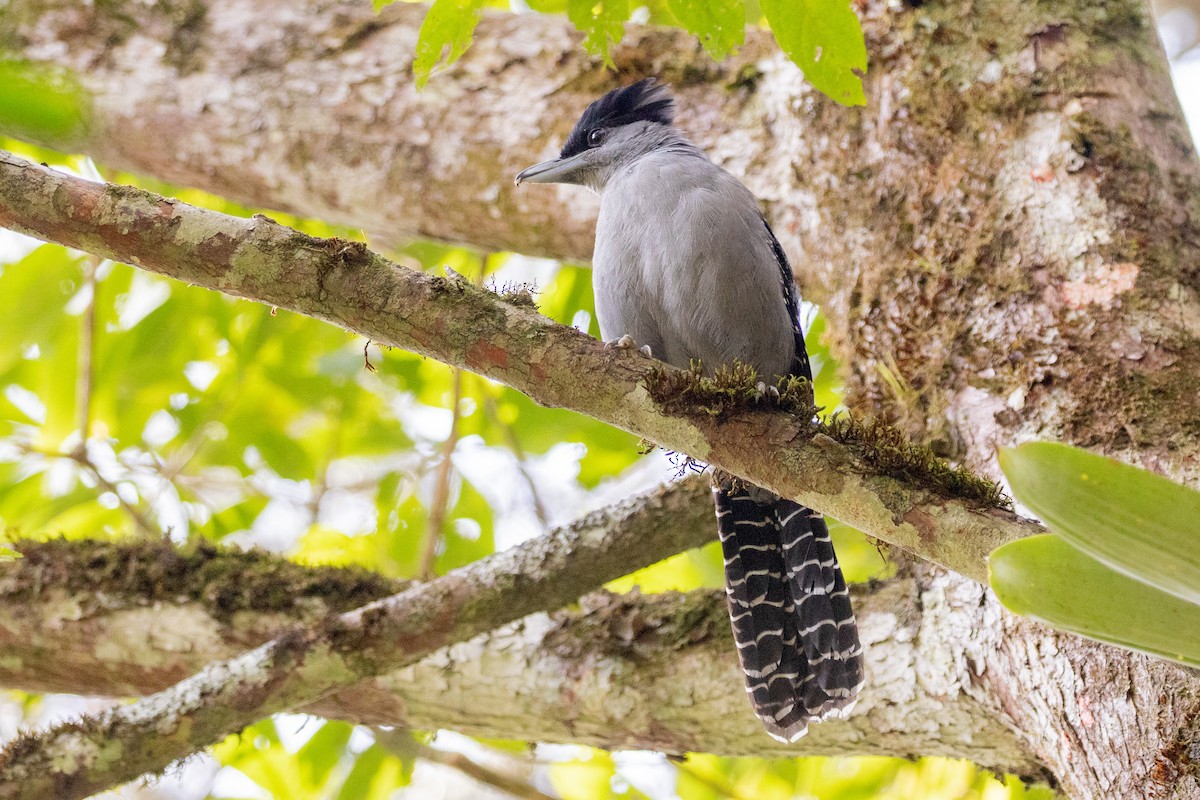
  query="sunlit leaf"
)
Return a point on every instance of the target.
[
  {"x": 376, "y": 775},
  {"x": 823, "y": 38},
  {"x": 41, "y": 102},
  {"x": 445, "y": 35},
  {"x": 694, "y": 569},
  {"x": 720, "y": 24},
  {"x": 44, "y": 281},
  {"x": 590, "y": 777},
  {"x": 237, "y": 517},
  {"x": 1138, "y": 523},
  {"x": 260, "y": 756},
  {"x": 467, "y": 535},
  {"x": 321, "y": 753},
  {"x": 548, "y": 6},
  {"x": 1045, "y": 578},
  {"x": 602, "y": 22}
]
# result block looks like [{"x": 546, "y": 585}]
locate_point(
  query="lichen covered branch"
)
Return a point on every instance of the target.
[
  {"x": 620, "y": 671},
  {"x": 309, "y": 663},
  {"x": 465, "y": 326}
]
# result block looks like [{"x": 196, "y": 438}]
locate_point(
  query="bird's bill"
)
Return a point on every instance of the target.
[{"x": 556, "y": 170}]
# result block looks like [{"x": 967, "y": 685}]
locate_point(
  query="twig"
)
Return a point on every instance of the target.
[
  {"x": 401, "y": 743},
  {"x": 87, "y": 336},
  {"x": 514, "y": 444},
  {"x": 142, "y": 522},
  {"x": 434, "y": 529},
  {"x": 79, "y": 456}
]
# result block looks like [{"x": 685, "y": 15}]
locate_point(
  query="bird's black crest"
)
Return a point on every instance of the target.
[{"x": 644, "y": 101}]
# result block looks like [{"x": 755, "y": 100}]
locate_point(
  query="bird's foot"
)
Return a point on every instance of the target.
[
  {"x": 764, "y": 390},
  {"x": 626, "y": 342}
]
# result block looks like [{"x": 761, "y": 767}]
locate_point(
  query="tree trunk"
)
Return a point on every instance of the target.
[{"x": 1004, "y": 239}]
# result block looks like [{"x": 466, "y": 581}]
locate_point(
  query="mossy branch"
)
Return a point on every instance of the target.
[
  {"x": 859, "y": 474},
  {"x": 307, "y": 664},
  {"x": 572, "y": 676},
  {"x": 880, "y": 449}
]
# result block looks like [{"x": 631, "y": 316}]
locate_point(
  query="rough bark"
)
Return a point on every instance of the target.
[
  {"x": 99, "y": 218},
  {"x": 627, "y": 671},
  {"x": 1004, "y": 239},
  {"x": 901, "y": 502},
  {"x": 306, "y": 664}
]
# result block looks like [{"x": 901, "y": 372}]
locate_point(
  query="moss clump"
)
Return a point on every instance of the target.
[
  {"x": 879, "y": 449},
  {"x": 729, "y": 389},
  {"x": 618, "y": 624},
  {"x": 885, "y": 450},
  {"x": 223, "y": 581},
  {"x": 519, "y": 294}
]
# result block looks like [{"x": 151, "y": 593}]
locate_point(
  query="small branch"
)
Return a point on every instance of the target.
[
  {"x": 79, "y": 455},
  {"x": 434, "y": 530},
  {"x": 482, "y": 774},
  {"x": 401, "y": 743},
  {"x": 455, "y": 322},
  {"x": 645, "y": 672},
  {"x": 87, "y": 336},
  {"x": 518, "y": 450},
  {"x": 77, "y": 759}
]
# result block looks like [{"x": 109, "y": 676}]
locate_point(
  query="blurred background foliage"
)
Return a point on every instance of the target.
[{"x": 132, "y": 405}]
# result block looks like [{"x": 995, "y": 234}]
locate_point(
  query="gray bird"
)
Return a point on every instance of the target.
[{"x": 685, "y": 263}]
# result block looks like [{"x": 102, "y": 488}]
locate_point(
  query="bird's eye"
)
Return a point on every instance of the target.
[{"x": 595, "y": 136}]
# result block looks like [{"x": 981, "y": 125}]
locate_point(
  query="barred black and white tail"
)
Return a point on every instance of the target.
[{"x": 792, "y": 621}]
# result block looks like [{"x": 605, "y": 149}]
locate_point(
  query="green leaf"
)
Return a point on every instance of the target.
[
  {"x": 720, "y": 24},
  {"x": 448, "y": 24},
  {"x": 603, "y": 22},
  {"x": 376, "y": 775},
  {"x": 41, "y": 102},
  {"x": 238, "y": 517},
  {"x": 1045, "y": 578},
  {"x": 824, "y": 39},
  {"x": 1137, "y": 523},
  {"x": 8, "y": 554},
  {"x": 321, "y": 753},
  {"x": 548, "y": 6}
]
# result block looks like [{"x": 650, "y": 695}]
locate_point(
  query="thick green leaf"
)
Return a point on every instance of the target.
[
  {"x": 1045, "y": 578},
  {"x": 824, "y": 39},
  {"x": 449, "y": 25},
  {"x": 603, "y": 22},
  {"x": 1138, "y": 523},
  {"x": 720, "y": 24}
]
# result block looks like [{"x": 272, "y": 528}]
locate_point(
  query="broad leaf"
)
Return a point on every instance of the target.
[
  {"x": 1138, "y": 523},
  {"x": 603, "y": 22},
  {"x": 1046, "y": 579},
  {"x": 40, "y": 102},
  {"x": 720, "y": 24},
  {"x": 449, "y": 26},
  {"x": 824, "y": 39}
]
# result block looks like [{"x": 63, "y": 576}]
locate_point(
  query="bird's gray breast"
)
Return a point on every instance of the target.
[{"x": 683, "y": 263}]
